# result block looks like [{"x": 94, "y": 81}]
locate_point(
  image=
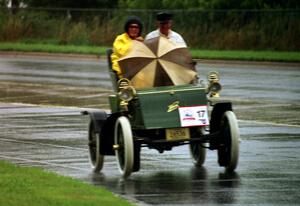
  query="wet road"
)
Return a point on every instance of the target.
[{"x": 54, "y": 137}]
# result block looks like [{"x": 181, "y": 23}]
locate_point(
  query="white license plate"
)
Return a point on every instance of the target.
[{"x": 178, "y": 134}]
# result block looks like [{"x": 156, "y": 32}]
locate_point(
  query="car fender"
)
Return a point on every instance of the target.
[
  {"x": 218, "y": 110},
  {"x": 104, "y": 125},
  {"x": 107, "y": 134},
  {"x": 98, "y": 117},
  {"x": 215, "y": 120}
]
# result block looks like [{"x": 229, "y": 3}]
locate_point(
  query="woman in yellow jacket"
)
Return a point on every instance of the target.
[{"x": 133, "y": 30}]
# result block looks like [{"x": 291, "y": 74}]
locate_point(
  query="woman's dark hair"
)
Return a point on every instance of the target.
[{"x": 133, "y": 20}]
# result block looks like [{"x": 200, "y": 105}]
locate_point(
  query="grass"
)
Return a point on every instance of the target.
[
  {"x": 34, "y": 187},
  {"x": 280, "y": 56},
  {"x": 248, "y": 55},
  {"x": 52, "y": 48}
]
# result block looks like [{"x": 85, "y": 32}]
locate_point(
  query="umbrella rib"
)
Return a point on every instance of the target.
[{"x": 177, "y": 73}]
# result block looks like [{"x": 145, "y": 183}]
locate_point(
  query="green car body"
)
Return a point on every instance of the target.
[{"x": 152, "y": 108}]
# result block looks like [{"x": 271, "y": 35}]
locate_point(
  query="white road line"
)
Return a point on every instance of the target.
[
  {"x": 43, "y": 144},
  {"x": 269, "y": 123},
  {"x": 149, "y": 158},
  {"x": 92, "y": 109},
  {"x": 42, "y": 162}
]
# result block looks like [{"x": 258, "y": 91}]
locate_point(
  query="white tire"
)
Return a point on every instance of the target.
[
  {"x": 96, "y": 159},
  {"x": 124, "y": 141},
  {"x": 198, "y": 152},
  {"x": 231, "y": 133}
]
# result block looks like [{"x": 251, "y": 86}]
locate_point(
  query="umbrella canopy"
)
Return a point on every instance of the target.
[{"x": 158, "y": 62}]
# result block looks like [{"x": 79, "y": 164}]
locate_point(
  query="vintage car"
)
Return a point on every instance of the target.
[{"x": 162, "y": 117}]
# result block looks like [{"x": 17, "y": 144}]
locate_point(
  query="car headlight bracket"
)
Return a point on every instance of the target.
[
  {"x": 126, "y": 92},
  {"x": 214, "y": 87}
]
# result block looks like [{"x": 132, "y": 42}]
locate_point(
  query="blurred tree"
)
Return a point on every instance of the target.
[
  {"x": 162, "y": 4},
  {"x": 73, "y": 4},
  {"x": 209, "y": 4},
  {"x": 15, "y": 3},
  {"x": 3, "y": 2},
  {"x": 181, "y": 4},
  {"x": 249, "y": 4},
  {"x": 141, "y": 4}
]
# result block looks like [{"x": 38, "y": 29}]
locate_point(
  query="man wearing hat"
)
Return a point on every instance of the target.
[{"x": 164, "y": 20}]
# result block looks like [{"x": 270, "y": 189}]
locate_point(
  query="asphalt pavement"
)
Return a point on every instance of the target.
[{"x": 41, "y": 125}]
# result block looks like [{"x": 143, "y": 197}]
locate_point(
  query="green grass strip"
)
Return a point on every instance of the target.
[
  {"x": 34, "y": 187},
  {"x": 52, "y": 48},
  {"x": 279, "y": 56}
]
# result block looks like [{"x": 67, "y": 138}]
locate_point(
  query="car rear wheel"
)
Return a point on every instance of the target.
[
  {"x": 96, "y": 159},
  {"x": 228, "y": 151},
  {"x": 124, "y": 146},
  {"x": 198, "y": 151}
]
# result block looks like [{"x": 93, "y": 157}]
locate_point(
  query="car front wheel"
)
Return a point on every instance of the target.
[
  {"x": 96, "y": 159},
  {"x": 198, "y": 151},
  {"x": 124, "y": 146},
  {"x": 228, "y": 152}
]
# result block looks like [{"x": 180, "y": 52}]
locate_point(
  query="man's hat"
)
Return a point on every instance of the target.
[{"x": 164, "y": 16}]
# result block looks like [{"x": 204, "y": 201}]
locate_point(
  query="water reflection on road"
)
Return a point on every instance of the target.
[
  {"x": 69, "y": 72},
  {"x": 54, "y": 138}
]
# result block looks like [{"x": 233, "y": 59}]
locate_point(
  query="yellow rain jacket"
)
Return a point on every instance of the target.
[{"x": 121, "y": 46}]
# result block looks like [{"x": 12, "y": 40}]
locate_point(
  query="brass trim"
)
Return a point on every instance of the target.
[
  {"x": 173, "y": 106},
  {"x": 116, "y": 147},
  {"x": 169, "y": 91}
]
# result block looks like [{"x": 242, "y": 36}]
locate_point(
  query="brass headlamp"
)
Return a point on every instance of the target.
[
  {"x": 126, "y": 92},
  {"x": 214, "y": 87}
]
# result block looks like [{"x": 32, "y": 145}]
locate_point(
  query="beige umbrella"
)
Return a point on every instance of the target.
[{"x": 158, "y": 62}]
